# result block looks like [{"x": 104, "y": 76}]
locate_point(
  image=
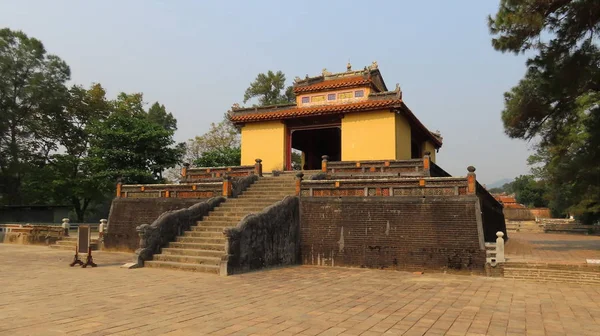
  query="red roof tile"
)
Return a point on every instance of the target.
[
  {"x": 334, "y": 84},
  {"x": 316, "y": 110}
]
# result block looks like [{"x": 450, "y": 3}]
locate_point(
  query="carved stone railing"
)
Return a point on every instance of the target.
[
  {"x": 241, "y": 184},
  {"x": 269, "y": 238},
  {"x": 408, "y": 186},
  {"x": 191, "y": 190},
  {"x": 167, "y": 226},
  {"x": 404, "y": 168},
  {"x": 196, "y": 174}
]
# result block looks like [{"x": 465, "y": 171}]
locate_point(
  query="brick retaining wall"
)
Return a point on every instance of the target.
[
  {"x": 127, "y": 213},
  {"x": 407, "y": 233}
]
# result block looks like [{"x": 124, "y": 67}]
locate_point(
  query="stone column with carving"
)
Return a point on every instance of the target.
[
  {"x": 258, "y": 167},
  {"x": 299, "y": 177},
  {"x": 500, "y": 247}
]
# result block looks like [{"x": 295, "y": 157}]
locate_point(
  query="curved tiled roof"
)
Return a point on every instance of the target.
[
  {"x": 276, "y": 114},
  {"x": 341, "y": 83}
]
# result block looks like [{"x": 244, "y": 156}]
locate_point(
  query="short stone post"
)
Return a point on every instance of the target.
[
  {"x": 66, "y": 226},
  {"x": 184, "y": 169},
  {"x": 227, "y": 186},
  {"x": 102, "y": 227},
  {"x": 500, "y": 247},
  {"x": 119, "y": 187},
  {"x": 299, "y": 177},
  {"x": 427, "y": 163},
  {"x": 471, "y": 180},
  {"x": 324, "y": 163},
  {"x": 258, "y": 167}
]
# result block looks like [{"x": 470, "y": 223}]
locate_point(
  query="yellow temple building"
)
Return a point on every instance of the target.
[{"x": 349, "y": 116}]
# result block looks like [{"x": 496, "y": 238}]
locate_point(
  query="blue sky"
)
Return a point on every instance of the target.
[{"x": 198, "y": 57}]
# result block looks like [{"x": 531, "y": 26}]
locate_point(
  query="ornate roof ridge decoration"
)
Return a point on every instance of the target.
[
  {"x": 237, "y": 108},
  {"x": 372, "y": 71}
]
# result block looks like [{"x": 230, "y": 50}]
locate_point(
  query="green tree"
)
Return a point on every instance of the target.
[
  {"x": 529, "y": 191},
  {"x": 158, "y": 114},
  {"x": 270, "y": 89},
  {"x": 32, "y": 93},
  {"x": 227, "y": 156},
  {"x": 558, "y": 100},
  {"x": 131, "y": 146}
]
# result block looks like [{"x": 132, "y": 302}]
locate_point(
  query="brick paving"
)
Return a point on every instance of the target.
[
  {"x": 552, "y": 248},
  {"x": 41, "y": 295}
]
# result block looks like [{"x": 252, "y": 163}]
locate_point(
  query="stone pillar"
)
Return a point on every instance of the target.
[
  {"x": 258, "y": 167},
  {"x": 102, "y": 227},
  {"x": 299, "y": 177},
  {"x": 427, "y": 163},
  {"x": 324, "y": 163},
  {"x": 500, "y": 247},
  {"x": 119, "y": 186},
  {"x": 184, "y": 170},
  {"x": 66, "y": 226},
  {"x": 227, "y": 186},
  {"x": 471, "y": 180}
]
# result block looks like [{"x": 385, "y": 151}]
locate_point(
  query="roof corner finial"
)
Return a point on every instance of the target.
[
  {"x": 325, "y": 72},
  {"x": 397, "y": 87},
  {"x": 348, "y": 66},
  {"x": 297, "y": 79},
  {"x": 235, "y": 106},
  {"x": 374, "y": 65}
]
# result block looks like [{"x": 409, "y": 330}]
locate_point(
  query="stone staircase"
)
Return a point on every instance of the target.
[
  {"x": 562, "y": 273},
  {"x": 524, "y": 226},
  {"x": 201, "y": 248},
  {"x": 69, "y": 243}
]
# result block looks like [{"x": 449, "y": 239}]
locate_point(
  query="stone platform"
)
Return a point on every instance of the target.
[
  {"x": 41, "y": 295},
  {"x": 551, "y": 257}
]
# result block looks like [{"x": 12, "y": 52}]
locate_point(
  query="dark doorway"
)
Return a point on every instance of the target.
[
  {"x": 315, "y": 143},
  {"x": 415, "y": 150}
]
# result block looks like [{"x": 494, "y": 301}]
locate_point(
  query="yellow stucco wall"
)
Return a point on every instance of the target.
[
  {"x": 403, "y": 137},
  {"x": 264, "y": 140},
  {"x": 429, "y": 147},
  {"x": 369, "y": 136}
]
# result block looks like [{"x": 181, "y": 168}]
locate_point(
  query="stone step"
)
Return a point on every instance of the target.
[
  {"x": 205, "y": 234},
  {"x": 262, "y": 198},
  {"x": 228, "y": 213},
  {"x": 200, "y": 240},
  {"x": 549, "y": 275},
  {"x": 195, "y": 246},
  {"x": 188, "y": 259},
  {"x": 210, "y": 220},
  {"x": 192, "y": 252},
  {"x": 255, "y": 208},
  {"x": 251, "y": 202},
  {"x": 207, "y": 228},
  {"x": 183, "y": 266}
]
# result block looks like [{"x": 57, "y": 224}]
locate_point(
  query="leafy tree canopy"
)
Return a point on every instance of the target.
[
  {"x": 32, "y": 92},
  {"x": 270, "y": 89},
  {"x": 558, "y": 100}
]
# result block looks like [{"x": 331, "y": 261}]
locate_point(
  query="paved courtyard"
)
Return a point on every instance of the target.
[
  {"x": 41, "y": 295},
  {"x": 552, "y": 248}
]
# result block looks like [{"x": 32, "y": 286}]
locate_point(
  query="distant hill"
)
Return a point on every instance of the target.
[{"x": 499, "y": 183}]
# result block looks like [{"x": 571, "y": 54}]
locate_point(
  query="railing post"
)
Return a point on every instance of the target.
[
  {"x": 227, "y": 187},
  {"x": 184, "y": 170},
  {"x": 258, "y": 167},
  {"x": 299, "y": 177},
  {"x": 102, "y": 227},
  {"x": 324, "y": 163},
  {"x": 66, "y": 226},
  {"x": 427, "y": 163},
  {"x": 471, "y": 180},
  {"x": 119, "y": 187},
  {"x": 500, "y": 247}
]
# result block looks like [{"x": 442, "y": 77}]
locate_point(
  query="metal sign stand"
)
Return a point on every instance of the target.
[
  {"x": 84, "y": 235},
  {"x": 76, "y": 260}
]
